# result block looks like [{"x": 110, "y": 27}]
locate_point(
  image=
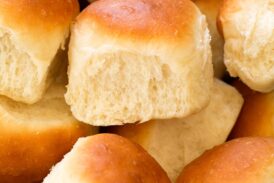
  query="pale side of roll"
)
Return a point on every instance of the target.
[
  {"x": 211, "y": 8},
  {"x": 176, "y": 142},
  {"x": 248, "y": 30},
  {"x": 243, "y": 160},
  {"x": 106, "y": 158},
  {"x": 133, "y": 60},
  {"x": 32, "y": 41},
  {"x": 35, "y": 137}
]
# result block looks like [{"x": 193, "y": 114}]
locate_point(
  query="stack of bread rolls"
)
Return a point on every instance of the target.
[
  {"x": 187, "y": 138},
  {"x": 147, "y": 75},
  {"x": 36, "y": 125}
]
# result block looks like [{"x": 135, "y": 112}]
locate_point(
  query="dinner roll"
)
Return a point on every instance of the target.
[
  {"x": 176, "y": 142},
  {"x": 133, "y": 60},
  {"x": 35, "y": 137},
  {"x": 210, "y": 8},
  {"x": 245, "y": 160},
  {"x": 248, "y": 29},
  {"x": 106, "y": 158},
  {"x": 257, "y": 115},
  {"x": 32, "y": 39}
]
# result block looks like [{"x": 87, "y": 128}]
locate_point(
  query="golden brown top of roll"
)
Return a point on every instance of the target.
[
  {"x": 144, "y": 19},
  {"x": 38, "y": 27},
  {"x": 245, "y": 160},
  {"x": 107, "y": 158},
  {"x": 49, "y": 12}
]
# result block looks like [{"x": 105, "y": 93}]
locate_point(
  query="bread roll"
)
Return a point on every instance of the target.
[
  {"x": 32, "y": 39},
  {"x": 257, "y": 115},
  {"x": 107, "y": 158},
  {"x": 174, "y": 143},
  {"x": 134, "y": 60},
  {"x": 245, "y": 160},
  {"x": 248, "y": 29},
  {"x": 35, "y": 137},
  {"x": 210, "y": 8}
]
